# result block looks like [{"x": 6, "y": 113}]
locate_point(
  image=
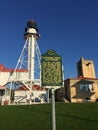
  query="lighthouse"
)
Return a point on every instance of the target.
[
  {"x": 30, "y": 57},
  {"x": 27, "y": 71},
  {"x": 31, "y": 35}
]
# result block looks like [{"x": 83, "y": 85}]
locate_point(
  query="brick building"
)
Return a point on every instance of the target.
[{"x": 85, "y": 86}]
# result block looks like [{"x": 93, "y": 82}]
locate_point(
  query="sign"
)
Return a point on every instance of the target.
[{"x": 51, "y": 69}]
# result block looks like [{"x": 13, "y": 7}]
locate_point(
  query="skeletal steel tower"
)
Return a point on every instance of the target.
[
  {"x": 32, "y": 36},
  {"x": 30, "y": 56},
  {"x": 29, "y": 60}
]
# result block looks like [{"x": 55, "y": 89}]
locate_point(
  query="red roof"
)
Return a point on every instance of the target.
[
  {"x": 2, "y": 87},
  {"x": 36, "y": 87},
  {"x": 3, "y": 69},
  {"x": 79, "y": 78}
]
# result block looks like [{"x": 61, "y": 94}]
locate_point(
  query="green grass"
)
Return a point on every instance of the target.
[{"x": 75, "y": 116}]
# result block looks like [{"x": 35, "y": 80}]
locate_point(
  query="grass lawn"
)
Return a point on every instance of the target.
[{"x": 69, "y": 116}]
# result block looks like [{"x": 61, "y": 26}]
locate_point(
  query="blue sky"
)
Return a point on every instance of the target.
[{"x": 70, "y": 27}]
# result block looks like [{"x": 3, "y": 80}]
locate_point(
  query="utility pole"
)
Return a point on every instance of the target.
[{"x": 53, "y": 118}]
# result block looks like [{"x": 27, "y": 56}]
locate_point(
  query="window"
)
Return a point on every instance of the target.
[
  {"x": 18, "y": 75},
  {"x": 86, "y": 87},
  {"x": 2, "y": 92},
  {"x": 11, "y": 73}
]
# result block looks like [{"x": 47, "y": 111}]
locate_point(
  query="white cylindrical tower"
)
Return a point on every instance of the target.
[{"x": 31, "y": 35}]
